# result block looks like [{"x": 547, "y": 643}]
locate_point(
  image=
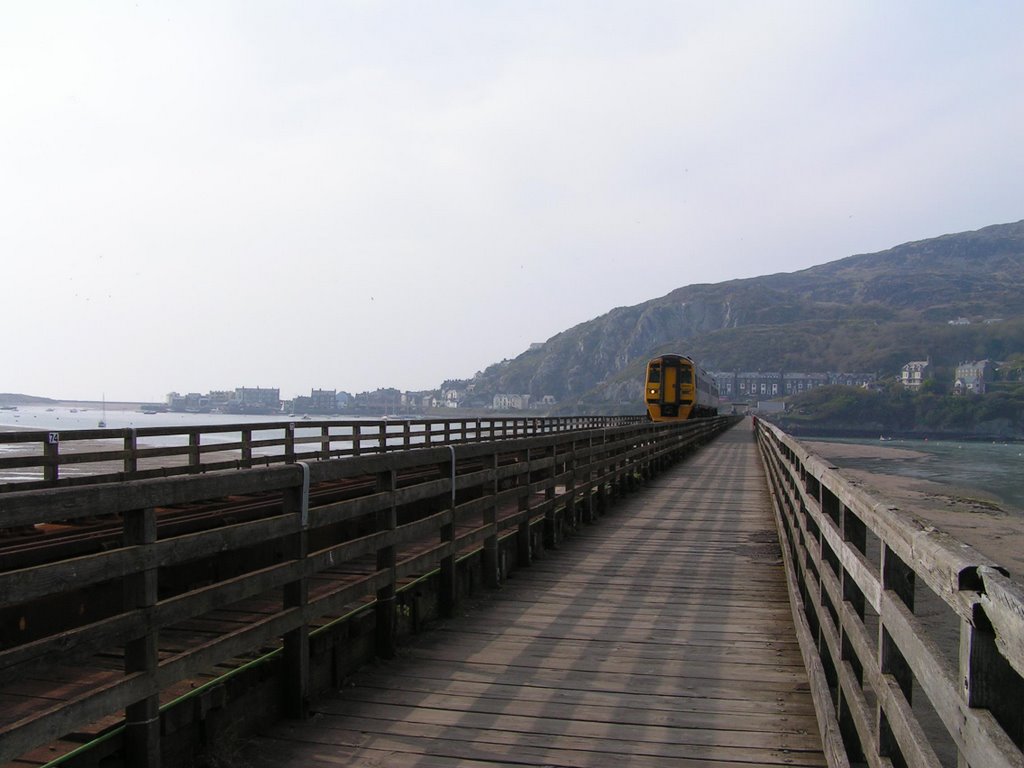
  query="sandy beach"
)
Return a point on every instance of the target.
[{"x": 970, "y": 515}]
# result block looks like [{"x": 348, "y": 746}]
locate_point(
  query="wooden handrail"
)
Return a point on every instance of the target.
[
  {"x": 49, "y": 458},
  {"x": 857, "y": 565},
  {"x": 467, "y": 497}
]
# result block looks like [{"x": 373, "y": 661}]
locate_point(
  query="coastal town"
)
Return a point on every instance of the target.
[{"x": 767, "y": 390}]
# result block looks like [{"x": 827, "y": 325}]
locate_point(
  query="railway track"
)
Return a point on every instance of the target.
[
  {"x": 43, "y": 543},
  {"x": 263, "y": 555}
]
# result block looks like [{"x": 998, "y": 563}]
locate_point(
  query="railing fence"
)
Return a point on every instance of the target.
[{"x": 875, "y": 587}]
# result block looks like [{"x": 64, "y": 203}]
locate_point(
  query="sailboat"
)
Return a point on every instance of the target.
[{"x": 103, "y": 417}]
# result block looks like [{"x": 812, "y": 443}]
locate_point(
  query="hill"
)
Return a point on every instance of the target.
[
  {"x": 864, "y": 313},
  {"x": 13, "y": 398},
  {"x": 893, "y": 411}
]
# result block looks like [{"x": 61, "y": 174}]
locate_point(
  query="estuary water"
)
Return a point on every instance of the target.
[
  {"x": 996, "y": 468},
  {"x": 66, "y": 418}
]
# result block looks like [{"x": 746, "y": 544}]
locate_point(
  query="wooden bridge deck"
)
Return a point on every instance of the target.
[{"x": 660, "y": 636}]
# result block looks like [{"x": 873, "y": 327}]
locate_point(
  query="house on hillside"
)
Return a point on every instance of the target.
[
  {"x": 915, "y": 373},
  {"x": 971, "y": 377},
  {"x": 506, "y": 402},
  {"x": 795, "y": 383}
]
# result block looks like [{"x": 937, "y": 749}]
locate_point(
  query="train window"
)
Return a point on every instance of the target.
[
  {"x": 685, "y": 376},
  {"x": 655, "y": 374}
]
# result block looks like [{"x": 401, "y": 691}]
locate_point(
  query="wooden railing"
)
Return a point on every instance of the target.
[
  {"x": 82, "y": 456},
  {"x": 914, "y": 641},
  {"x": 425, "y": 509}
]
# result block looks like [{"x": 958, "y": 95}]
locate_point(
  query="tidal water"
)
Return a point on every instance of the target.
[
  {"x": 996, "y": 468},
  {"x": 65, "y": 417},
  {"x": 38, "y": 417}
]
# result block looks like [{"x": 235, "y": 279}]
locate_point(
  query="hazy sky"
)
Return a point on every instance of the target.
[{"x": 204, "y": 195}]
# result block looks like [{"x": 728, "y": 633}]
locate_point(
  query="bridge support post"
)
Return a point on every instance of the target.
[
  {"x": 296, "y": 595},
  {"x": 491, "y": 563},
  {"x": 589, "y": 512},
  {"x": 524, "y": 550},
  {"x": 384, "y": 613},
  {"x": 551, "y": 533},
  {"x": 571, "y": 509},
  {"x": 447, "y": 588},
  {"x": 142, "y": 719}
]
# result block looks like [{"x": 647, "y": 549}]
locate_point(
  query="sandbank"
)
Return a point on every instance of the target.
[{"x": 970, "y": 515}]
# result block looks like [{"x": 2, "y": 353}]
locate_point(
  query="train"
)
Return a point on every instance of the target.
[{"x": 678, "y": 389}]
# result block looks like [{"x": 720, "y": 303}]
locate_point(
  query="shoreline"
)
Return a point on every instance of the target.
[{"x": 807, "y": 432}]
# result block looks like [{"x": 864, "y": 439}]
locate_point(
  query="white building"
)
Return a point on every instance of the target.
[
  {"x": 915, "y": 373},
  {"x": 506, "y": 402}
]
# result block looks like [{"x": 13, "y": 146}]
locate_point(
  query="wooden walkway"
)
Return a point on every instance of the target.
[{"x": 661, "y": 636}]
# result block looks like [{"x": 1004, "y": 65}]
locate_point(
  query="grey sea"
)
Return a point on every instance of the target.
[{"x": 995, "y": 468}]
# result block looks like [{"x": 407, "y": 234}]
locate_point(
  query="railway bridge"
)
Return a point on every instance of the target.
[{"x": 505, "y": 592}]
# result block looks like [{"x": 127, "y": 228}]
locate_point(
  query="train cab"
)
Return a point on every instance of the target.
[{"x": 677, "y": 389}]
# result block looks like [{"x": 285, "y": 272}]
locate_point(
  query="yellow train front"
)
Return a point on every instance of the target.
[{"x": 678, "y": 389}]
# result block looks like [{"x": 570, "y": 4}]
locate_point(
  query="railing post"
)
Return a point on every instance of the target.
[
  {"x": 325, "y": 442},
  {"x": 193, "y": 450},
  {"x": 247, "y": 447},
  {"x": 131, "y": 447},
  {"x": 289, "y": 443},
  {"x": 142, "y": 719},
  {"x": 988, "y": 679},
  {"x": 855, "y": 533},
  {"x": 571, "y": 510},
  {"x": 589, "y": 512},
  {"x": 357, "y": 439},
  {"x": 51, "y": 457},
  {"x": 447, "y": 592},
  {"x": 897, "y": 577},
  {"x": 384, "y": 612},
  {"x": 296, "y": 595},
  {"x": 524, "y": 549},
  {"x": 491, "y": 564},
  {"x": 602, "y": 468},
  {"x": 551, "y": 532}
]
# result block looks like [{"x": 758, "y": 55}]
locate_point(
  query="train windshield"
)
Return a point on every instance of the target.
[
  {"x": 654, "y": 376},
  {"x": 685, "y": 375}
]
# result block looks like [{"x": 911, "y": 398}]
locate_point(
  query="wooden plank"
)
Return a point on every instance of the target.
[
  {"x": 662, "y": 635},
  {"x": 532, "y": 741},
  {"x": 41, "y": 506},
  {"x": 652, "y": 694},
  {"x": 1003, "y": 603}
]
